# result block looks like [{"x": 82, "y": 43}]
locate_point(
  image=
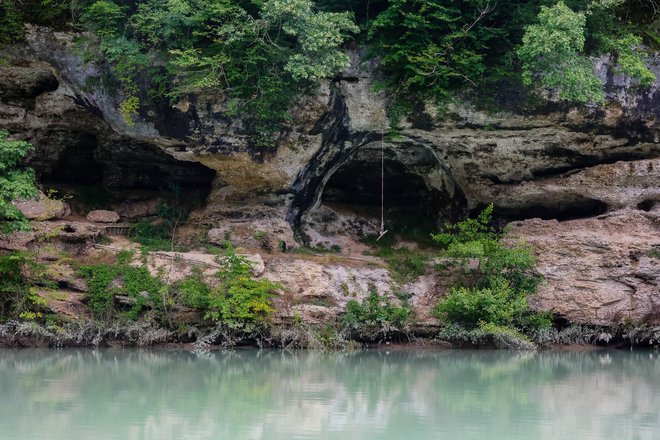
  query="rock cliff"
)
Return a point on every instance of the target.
[{"x": 582, "y": 185}]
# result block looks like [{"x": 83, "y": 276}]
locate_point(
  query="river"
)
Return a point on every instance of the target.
[{"x": 251, "y": 394}]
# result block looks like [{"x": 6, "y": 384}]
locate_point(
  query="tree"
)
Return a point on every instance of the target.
[
  {"x": 11, "y": 22},
  {"x": 555, "y": 56},
  {"x": 551, "y": 54},
  {"x": 259, "y": 54},
  {"x": 15, "y": 182},
  {"x": 430, "y": 48}
]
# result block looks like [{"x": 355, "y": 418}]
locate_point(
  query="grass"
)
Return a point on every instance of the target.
[
  {"x": 154, "y": 238},
  {"x": 654, "y": 252}
]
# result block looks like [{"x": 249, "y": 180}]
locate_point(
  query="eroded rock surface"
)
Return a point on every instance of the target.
[
  {"x": 603, "y": 270},
  {"x": 321, "y": 184}
]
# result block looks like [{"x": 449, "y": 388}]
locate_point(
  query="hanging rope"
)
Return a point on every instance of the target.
[{"x": 383, "y": 231}]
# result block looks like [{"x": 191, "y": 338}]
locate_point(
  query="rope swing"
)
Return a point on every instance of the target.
[{"x": 383, "y": 231}]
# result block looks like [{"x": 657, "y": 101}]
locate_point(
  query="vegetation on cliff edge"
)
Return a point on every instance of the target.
[{"x": 262, "y": 54}]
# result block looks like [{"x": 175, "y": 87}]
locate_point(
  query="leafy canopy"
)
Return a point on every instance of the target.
[
  {"x": 261, "y": 54},
  {"x": 257, "y": 53},
  {"x": 554, "y": 55},
  {"x": 551, "y": 54}
]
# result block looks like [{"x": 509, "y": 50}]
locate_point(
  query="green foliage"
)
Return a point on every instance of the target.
[
  {"x": 629, "y": 56},
  {"x": 428, "y": 48},
  {"x": 497, "y": 289},
  {"x": 15, "y": 182},
  {"x": 551, "y": 54},
  {"x": 17, "y": 296},
  {"x": 152, "y": 237},
  {"x": 432, "y": 50},
  {"x": 477, "y": 230},
  {"x": 99, "y": 297},
  {"x": 404, "y": 264},
  {"x": 260, "y": 54},
  {"x": 654, "y": 252},
  {"x": 496, "y": 303},
  {"x": 240, "y": 301},
  {"x": 375, "y": 312},
  {"x": 193, "y": 291},
  {"x": 103, "y": 17},
  {"x": 555, "y": 52},
  {"x": 104, "y": 282},
  {"x": 129, "y": 109},
  {"x": 11, "y": 22}
]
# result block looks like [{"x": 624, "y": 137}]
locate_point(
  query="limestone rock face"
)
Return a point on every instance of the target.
[
  {"x": 103, "y": 216},
  {"x": 26, "y": 81},
  {"x": 603, "y": 270},
  {"x": 317, "y": 291},
  {"x": 584, "y": 175}
]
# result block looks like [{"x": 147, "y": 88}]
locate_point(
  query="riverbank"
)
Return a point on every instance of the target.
[
  {"x": 127, "y": 335},
  {"x": 84, "y": 286}
]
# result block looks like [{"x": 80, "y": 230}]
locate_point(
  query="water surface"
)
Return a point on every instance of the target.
[{"x": 97, "y": 395}]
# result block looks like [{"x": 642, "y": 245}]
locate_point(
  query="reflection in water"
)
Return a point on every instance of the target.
[{"x": 366, "y": 395}]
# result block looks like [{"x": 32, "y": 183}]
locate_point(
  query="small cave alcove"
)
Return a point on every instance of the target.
[
  {"x": 418, "y": 194},
  {"x": 569, "y": 208},
  {"x": 101, "y": 172}
]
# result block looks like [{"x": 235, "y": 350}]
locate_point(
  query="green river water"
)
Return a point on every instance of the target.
[{"x": 250, "y": 394}]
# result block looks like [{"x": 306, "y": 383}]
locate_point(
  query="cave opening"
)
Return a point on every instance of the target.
[
  {"x": 76, "y": 163},
  {"x": 418, "y": 196}
]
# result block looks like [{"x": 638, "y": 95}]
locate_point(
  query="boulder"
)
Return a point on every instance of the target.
[
  {"x": 138, "y": 209},
  {"x": 103, "y": 216},
  {"x": 42, "y": 208},
  {"x": 265, "y": 233}
]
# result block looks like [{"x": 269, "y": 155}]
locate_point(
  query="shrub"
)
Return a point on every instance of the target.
[
  {"x": 240, "y": 301},
  {"x": 151, "y": 237},
  {"x": 496, "y": 291},
  {"x": 105, "y": 282},
  {"x": 193, "y": 291},
  {"x": 405, "y": 264},
  {"x": 15, "y": 182},
  {"x": 497, "y": 304},
  {"x": 17, "y": 295},
  {"x": 100, "y": 298},
  {"x": 376, "y": 313},
  {"x": 11, "y": 22}
]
